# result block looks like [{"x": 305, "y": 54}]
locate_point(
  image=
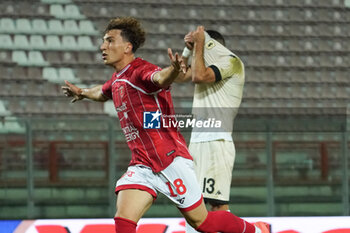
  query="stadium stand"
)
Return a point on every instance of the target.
[{"x": 297, "y": 59}]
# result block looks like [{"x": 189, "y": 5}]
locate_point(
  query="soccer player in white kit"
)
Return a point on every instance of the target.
[{"x": 218, "y": 75}]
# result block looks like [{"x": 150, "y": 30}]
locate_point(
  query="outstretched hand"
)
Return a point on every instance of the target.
[
  {"x": 176, "y": 61},
  {"x": 72, "y": 91}
]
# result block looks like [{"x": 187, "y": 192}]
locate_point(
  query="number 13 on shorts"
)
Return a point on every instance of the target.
[
  {"x": 180, "y": 188},
  {"x": 208, "y": 185}
]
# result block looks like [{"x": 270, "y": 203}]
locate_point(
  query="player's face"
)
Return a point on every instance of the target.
[{"x": 114, "y": 47}]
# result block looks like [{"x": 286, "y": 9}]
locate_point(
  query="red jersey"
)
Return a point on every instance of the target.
[{"x": 133, "y": 93}]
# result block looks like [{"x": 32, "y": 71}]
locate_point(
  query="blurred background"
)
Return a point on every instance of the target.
[{"x": 61, "y": 160}]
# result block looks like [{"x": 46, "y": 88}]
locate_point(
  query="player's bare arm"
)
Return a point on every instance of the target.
[
  {"x": 94, "y": 93},
  {"x": 186, "y": 74},
  {"x": 200, "y": 73},
  {"x": 166, "y": 77}
]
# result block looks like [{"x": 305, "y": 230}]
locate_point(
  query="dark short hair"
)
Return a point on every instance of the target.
[
  {"x": 216, "y": 36},
  {"x": 131, "y": 30}
]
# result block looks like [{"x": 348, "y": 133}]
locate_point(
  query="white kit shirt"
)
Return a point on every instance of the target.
[{"x": 220, "y": 100}]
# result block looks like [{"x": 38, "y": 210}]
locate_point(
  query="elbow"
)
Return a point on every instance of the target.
[{"x": 197, "y": 79}]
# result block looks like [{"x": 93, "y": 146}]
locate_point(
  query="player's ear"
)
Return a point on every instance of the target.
[{"x": 128, "y": 48}]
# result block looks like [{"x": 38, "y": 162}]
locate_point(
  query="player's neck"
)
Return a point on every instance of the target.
[{"x": 124, "y": 62}]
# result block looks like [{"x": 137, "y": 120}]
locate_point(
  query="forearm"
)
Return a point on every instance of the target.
[
  {"x": 94, "y": 93},
  {"x": 166, "y": 77},
  {"x": 184, "y": 77},
  {"x": 198, "y": 65},
  {"x": 181, "y": 78},
  {"x": 201, "y": 73}
]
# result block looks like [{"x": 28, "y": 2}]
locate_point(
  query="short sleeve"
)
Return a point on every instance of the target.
[
  {"x": 146, "y": 76},
  {"x": 107, "y": 89},
  {"x": 227, "y": 66}
]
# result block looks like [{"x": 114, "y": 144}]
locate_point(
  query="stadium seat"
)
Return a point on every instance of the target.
[
  {"x": 39, "y": 26},
  {"x": 6, "y": 42},
  {"x": 7, "y": 25},
  {"x": 5, "y": 89},
  {"x": 20, "y": 57},
  {"x": 6, "y": 9},
  {"x": 23, "y": 25},
  {"x": 72, "y": 11},
  {"x": 69, "y": 58},
  {"x": 69, "y": 43},
  {"x": 95, "y": 107},
  {"x": 84, "y": 74},
  {"x": 3, "y": 110},
  {"x": 53, "y": 57},
  {"x": 57, "y": 10},
  {"x": 71, "y": 27},
  {"x": 33, "y": 88},
  {"x": 4, "y": 60},
  {"x": 55, "y": 27},
  {"x": 86, "y": 27},
  {"x": 84, "y": 58},
  {"x": 51, "y": 74},
  {"x": 50, "y": 89},
  {"x": 56, "y": 1},
  {"x": 34, "y": 73},
  {"x": 85, "y": 43},
  {"x": 35, "y": 58},
  {"x": 21, "y": 42},
  {"x": 11, "y": 126},
  {"x": 37, "y": 42},
  {"x": 67, "y": 74},
  {"x": 53, "y": 42}
]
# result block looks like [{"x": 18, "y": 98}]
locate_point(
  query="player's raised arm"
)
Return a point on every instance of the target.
[
  {"x": 200, "y": 73},
  {"x": 166, "y": 77},
  {"x": 186, "y": 74},
  {"x": 94, "y": 93}
]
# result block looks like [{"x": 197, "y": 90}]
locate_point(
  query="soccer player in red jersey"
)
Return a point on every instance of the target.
[{"x": 160, "y": 159}]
